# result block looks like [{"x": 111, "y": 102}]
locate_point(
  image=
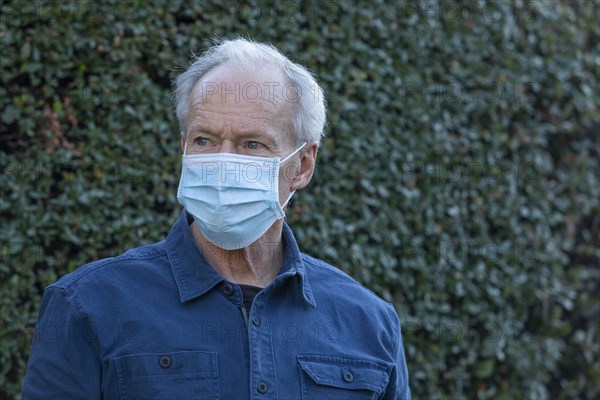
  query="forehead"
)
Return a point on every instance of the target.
[
  {"x": 235, "y": 96},
  {"x": 264, "y": 86}
]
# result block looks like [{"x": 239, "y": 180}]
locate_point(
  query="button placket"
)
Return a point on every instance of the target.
[{"x": 261, "y": 348}]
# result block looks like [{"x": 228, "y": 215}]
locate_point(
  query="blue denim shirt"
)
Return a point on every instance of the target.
[{"x": 157, "y": 322}]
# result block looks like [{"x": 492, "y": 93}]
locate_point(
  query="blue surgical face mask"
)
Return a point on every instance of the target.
[{"x": 233, "y": 198}]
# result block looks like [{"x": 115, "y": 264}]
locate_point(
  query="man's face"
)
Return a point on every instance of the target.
[{"x": 233, "y": 110}]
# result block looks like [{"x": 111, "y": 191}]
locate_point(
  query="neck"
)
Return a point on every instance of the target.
[{"x": 257, "y": 264}]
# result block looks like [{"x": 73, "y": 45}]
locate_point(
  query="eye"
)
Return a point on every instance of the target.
[
  {"x": 201, "y": 141},
  {"x": 252, "y": 145}
]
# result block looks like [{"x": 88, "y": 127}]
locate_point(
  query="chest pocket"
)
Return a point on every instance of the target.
[
  {"x": 181, "y": 375},
  {"x": 327, "y": 377}
]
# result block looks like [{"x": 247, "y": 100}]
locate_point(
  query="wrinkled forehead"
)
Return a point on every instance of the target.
[
  {"x": 252, "y": 84},
  {"x": 265, "y": 92}
]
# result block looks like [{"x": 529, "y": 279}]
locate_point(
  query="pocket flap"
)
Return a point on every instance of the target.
[
  {"x": 345, "y": 373},
  {"x": 199, "y": 363}
]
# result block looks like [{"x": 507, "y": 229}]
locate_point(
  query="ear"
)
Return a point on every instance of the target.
[
  {"x": 182, "y": 143},
  {"x": 308, "y": 159}
]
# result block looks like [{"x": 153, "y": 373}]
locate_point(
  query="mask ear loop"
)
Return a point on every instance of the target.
[
  {"x": 284, "y": 160},
  {"x": 295, "y": 151},
  {"x": 288, "y": 199},
  {"x": 185, "y": 147}
]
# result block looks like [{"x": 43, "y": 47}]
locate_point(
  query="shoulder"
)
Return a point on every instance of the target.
[
  {"x": 317, "y": 266},
  {"x": 324, "y": 276},
  {"x": 129, "y": 263},
  {"x": 337, "y": 294}
]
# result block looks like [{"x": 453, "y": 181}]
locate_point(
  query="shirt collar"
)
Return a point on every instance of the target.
[
  {"x": 293, "y": 266},
  {"x": 194, "y": 276}
]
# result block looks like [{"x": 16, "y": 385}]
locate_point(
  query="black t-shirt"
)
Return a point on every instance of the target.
[{"x": 248, "y": 293}]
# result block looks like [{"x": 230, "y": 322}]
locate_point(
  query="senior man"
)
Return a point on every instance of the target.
[{"x": 226, "y": 307}]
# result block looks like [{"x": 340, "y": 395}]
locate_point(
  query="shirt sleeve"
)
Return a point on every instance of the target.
[
  {"x": 64, "y": 361},
  {"x": 397, "y": 388}
]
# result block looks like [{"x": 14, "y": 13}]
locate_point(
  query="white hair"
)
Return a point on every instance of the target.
[{"x": 309, "y": 109}]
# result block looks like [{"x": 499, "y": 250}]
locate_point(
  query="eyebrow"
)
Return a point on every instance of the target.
[
  {"x": 243, "y": 134},
  {"x": 201, "y": 128}
]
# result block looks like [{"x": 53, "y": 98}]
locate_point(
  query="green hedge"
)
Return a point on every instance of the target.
[{"x": 458, "y": 178}]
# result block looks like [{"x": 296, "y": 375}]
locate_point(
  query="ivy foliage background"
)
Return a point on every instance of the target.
[{"x": 458, "y": 178}]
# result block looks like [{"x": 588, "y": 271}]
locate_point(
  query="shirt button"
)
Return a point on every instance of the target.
[
  {"x": 165, "y": 361},
  {"x": 262, "y": 387},
  {"x": 227, "y": 289},
  {"x": 255, "y": 321},
  {"x": 348, "y": 377}
]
